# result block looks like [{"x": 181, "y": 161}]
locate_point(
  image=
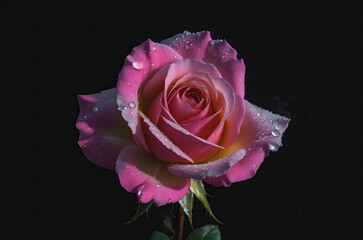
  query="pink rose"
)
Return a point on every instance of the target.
[{"x": 183, "y": 116}]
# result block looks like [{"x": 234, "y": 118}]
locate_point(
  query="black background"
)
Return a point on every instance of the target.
[{"x": 302, "y": 61}]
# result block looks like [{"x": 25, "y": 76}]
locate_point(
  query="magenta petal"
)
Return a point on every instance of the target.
[
  {"x": 148, "y": 177},
  {"x": 143, "y": 62},
  {"x": 210, "y": 169},
  {"x": 223, "y": 56},
  {"x": 260, "y": 133},
  {"x": 189, "y": 45},
  {"x": 103, "y": 132}
]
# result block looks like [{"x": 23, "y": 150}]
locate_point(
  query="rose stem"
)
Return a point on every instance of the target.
[{"x": 181, "y": 223}]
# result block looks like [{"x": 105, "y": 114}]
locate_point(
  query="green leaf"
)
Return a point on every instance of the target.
[
  {"x": 207, "y": 232},
  {"x": 141, "y": 209},
  {"x": 159, "y": 236},
  {"x": 168, "y": 220},
  {"x": 197, "y": 187},
  {"x": 187, "y": 205}
]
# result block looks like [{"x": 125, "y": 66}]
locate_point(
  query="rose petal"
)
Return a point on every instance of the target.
[
  {"x": 189, "y": 45},
  {"x": 234, "y": 122},
  {"x": 103, "y": 132},
  {"x": 141, "y": 173},
  {"x": 204, "y": 127},
  {"x": 223, "y": 56},
  {"x": 260, "y": 133},
  {"x": 197, "y": 148},
  {"x": 179, "y": 109},
  {"x": 160, "y": 145},
  {"x": 210, "y": 169},
  {"x": 143, "y": 61},
  {"x": 217, "y": 52}
]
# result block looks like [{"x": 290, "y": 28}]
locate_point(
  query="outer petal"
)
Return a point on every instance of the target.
[
  {"x": 218, "y": 52},
  {"x": 103, "y": 132},
  {"x": 189, "y": 45},
  {"x": 223, "y": 56},
  {"x": 260, "y": 133},
  {"x": 142, "y": 63},
  {"x": 141, "y": 173}
]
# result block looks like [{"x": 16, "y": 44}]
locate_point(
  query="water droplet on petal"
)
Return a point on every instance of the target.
[
  {"x": 121, "y": 108},
  {"x": 132, "y": 105},
  {"x": 276, "y": 133},
  {"x": 152, "y": 64},
  {"x": 128, "y": 83},
  {"x": 259, "y": 114},
  {"x": 138, "y": 65},
  {"x": 139, "y": 194},
  {"x": 188, "y": 46},
  {"x": 169, "y": 200},
  {"x": 273, "y": 147},
  {"x": 154, "y": 48},
  {"x": 278, "y": 123},
  {"x": 158, "y": 185},
  {"x": 95, "y": 109}
]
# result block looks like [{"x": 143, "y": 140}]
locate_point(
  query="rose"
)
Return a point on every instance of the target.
[{"x": 183, "y": 116}]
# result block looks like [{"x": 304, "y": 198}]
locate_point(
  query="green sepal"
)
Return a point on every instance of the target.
[
  {"x": 156, "y": 235},
  {"x": 141, "y": 209},
  {"x": 197, "y": 187},
  {"x": 186, "y": 204},
  {"x": 168, "y": 220},
  {"x": 207, "y": 232}
]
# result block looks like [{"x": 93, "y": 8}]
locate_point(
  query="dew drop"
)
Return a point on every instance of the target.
[
  {"x": 138, "y": 65},
  {"x": 259, "y": 114},
  {"x": 278, "y": 123},
  {"x": 273, "y": 147},
  {"x": 85, "y": 145},
  {"x": 95, "y": 109},
  {"x": 128, "y": 83},
  {"x": 188, "y": 46},
  {"x": 158, "y": 186},
  {"x": 122, "y": 108},
  {"x": 132, "y": 105},
  {"x": 276, "y": 133},
  {"x": 152, "y": 64},
  {"x": 154, "y": 48},
  {"x": 169, "y": 200},
  {"x": 139, "y": 194}
]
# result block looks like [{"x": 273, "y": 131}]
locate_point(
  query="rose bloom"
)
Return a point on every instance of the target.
[{"x": 178, "y": 113}]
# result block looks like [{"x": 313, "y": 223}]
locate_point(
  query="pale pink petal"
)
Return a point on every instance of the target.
[
  {"x": 103, "y": 132},
  {"x": 223, "y": 56},
  {"x": 260, "y": 133},
  {"x": 210, "y": 169},
  {"x": 148, "y": 177},
  {"x": 143, "y": 61},
  {"x": 179, "y": 109},
  {"x": 160, "y": 145},
  {"x": 189, "y": 45}
]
